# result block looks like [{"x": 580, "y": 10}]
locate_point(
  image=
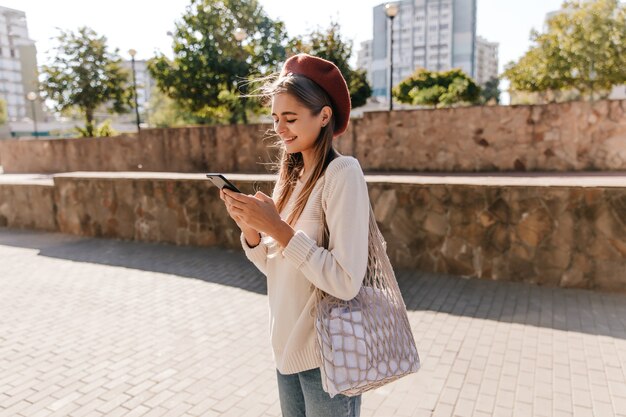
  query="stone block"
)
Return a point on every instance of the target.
[
  {"x": 28, "y": 206},
  {"x": 606, "y": 223},
  {"x": 601, "y": 248},
  {"x": 520, "y": 269},
  {"x": 486, "y": 219},
  {"x": 498, "y": 238},
  {"x": 609, "y": 274},
  {"x": 619, "y": 245},
  {"x": 500, "y": 210},
  {"x": 618, "y": 207},
  {"x": 534, "y": 227},
  {"x": 553, "y": 257},
  {"x": 573, "y": 278},
  {"x": 385, "y": 205},
  {"x": 436, "y": 224}
]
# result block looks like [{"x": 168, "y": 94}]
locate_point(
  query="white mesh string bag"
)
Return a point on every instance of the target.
[{"x": 365, "y": 342}]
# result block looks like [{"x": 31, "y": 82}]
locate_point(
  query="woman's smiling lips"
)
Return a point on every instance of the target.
[{"x": 289, "y": 140}]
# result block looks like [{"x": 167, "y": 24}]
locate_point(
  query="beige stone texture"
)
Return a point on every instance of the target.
[
  {"x": 567, "y": 236},
  {"x": 572, "y": 136},
  {"x": 28, "y": 206}
]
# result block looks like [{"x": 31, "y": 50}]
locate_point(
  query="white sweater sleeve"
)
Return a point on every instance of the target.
[
  {"x": 338, "y": 271},
  {"x": 257, "y": 255}
]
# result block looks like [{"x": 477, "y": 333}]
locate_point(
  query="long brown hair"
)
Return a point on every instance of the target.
[{"x": 290, "y": 166}]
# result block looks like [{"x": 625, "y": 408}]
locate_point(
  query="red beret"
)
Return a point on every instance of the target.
[{"x": 325, "y": 74}]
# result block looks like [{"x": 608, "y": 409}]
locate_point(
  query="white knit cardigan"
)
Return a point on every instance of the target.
[{"x": 292, "y": 272}]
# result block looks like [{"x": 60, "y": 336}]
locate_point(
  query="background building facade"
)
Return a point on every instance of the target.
[
  {"x": 18, "y": 66},
  {"x": 486, "y": 64},
  {"x": 435, "y": 34},
  {"x": 145, "y": 84},
  {"x": 364, "y": 58}
]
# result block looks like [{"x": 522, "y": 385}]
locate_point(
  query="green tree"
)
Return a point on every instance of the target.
[
  {"x": 328, "y": 44},
  {"x": 360, "y": 89},
  {"x": 103, "y": 129},
  {"x": 491, "y": 91},
  {"x": 84, "y": 75},
  {"x": 210, "y": 69},
  {"x": 3, "y": 112},
  {"x": 165, "y": 112},
  {"x": 439, "y": 89},
  {"x": 583, "y": 49}
]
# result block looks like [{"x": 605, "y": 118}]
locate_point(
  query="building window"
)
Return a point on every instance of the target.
[
  {"x": 12, "y": 53},
  {"x": 443, "y": 26}
]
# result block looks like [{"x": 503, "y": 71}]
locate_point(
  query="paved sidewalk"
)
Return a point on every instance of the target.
[{"x": 92, "y": 327}]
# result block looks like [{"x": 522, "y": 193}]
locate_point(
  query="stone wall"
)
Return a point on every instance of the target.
[
  {"x": 515, "y": 229},
  {"x": 570, "y": 136},
  {"x": 193, "y": 149},
  {"x": 30, "y": 206},
  {"x": 155, "y": 208},
  {"x": 557, "y": 236}
]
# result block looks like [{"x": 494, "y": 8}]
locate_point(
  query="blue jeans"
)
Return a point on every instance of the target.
[{"x": 302, "y": 395}]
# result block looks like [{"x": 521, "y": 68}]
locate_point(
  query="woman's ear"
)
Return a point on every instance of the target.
[{"x": 326, "y": 114}]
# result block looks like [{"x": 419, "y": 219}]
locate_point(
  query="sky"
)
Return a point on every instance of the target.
[{"x": 143, "y": 24}]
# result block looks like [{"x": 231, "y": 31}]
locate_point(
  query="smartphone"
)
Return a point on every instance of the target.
[{"x": 221, "y": 182}]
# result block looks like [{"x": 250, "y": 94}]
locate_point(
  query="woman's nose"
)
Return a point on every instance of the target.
[{"x": 279, "y": 127}]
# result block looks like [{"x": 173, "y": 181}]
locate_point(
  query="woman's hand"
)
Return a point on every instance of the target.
[
  {"x": 258, "y": 212},
  {"x": 252, "y": 236}
]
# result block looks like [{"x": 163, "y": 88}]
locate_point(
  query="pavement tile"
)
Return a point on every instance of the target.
[{"x": 97, "y": 327}]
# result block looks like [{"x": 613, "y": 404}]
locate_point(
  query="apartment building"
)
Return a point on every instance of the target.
[
  {"x": 486, "y": 60},
  {"x": 18, "y": 65},
  {"x": 435, "y": 34}
]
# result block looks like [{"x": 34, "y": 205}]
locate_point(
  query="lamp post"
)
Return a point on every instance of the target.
[
  {"x": 391, "y": 10},
  {"x": 32, "y": 97},
  {"x": 132, "y": 54},
  {"x": 240, "y": 36}
]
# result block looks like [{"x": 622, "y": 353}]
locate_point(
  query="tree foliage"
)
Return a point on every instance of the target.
[
  {"x": 491, "y": 91},
  {"x": 102, "y": 130},
  {"x": 584, "y": 48},
  {"x": 3, "y": 112},
  {"x": 165, "y": 112},
  {"x": 328, "y": 44},
  {"x": 83, "y": 74},
  {"x": 439, "y": 89},
  {"x": 210, "y": 68}
]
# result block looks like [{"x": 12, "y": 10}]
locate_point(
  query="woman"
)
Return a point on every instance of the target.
[{"x": 310, "y": 106}]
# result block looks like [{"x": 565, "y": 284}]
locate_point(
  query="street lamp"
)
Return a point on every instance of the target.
[
  {"x": 32, "y": 97},
  {"x": 391, "y": 10},
  {"x": 240, "y": 36},
  {"x": 132, "y": 54}
]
